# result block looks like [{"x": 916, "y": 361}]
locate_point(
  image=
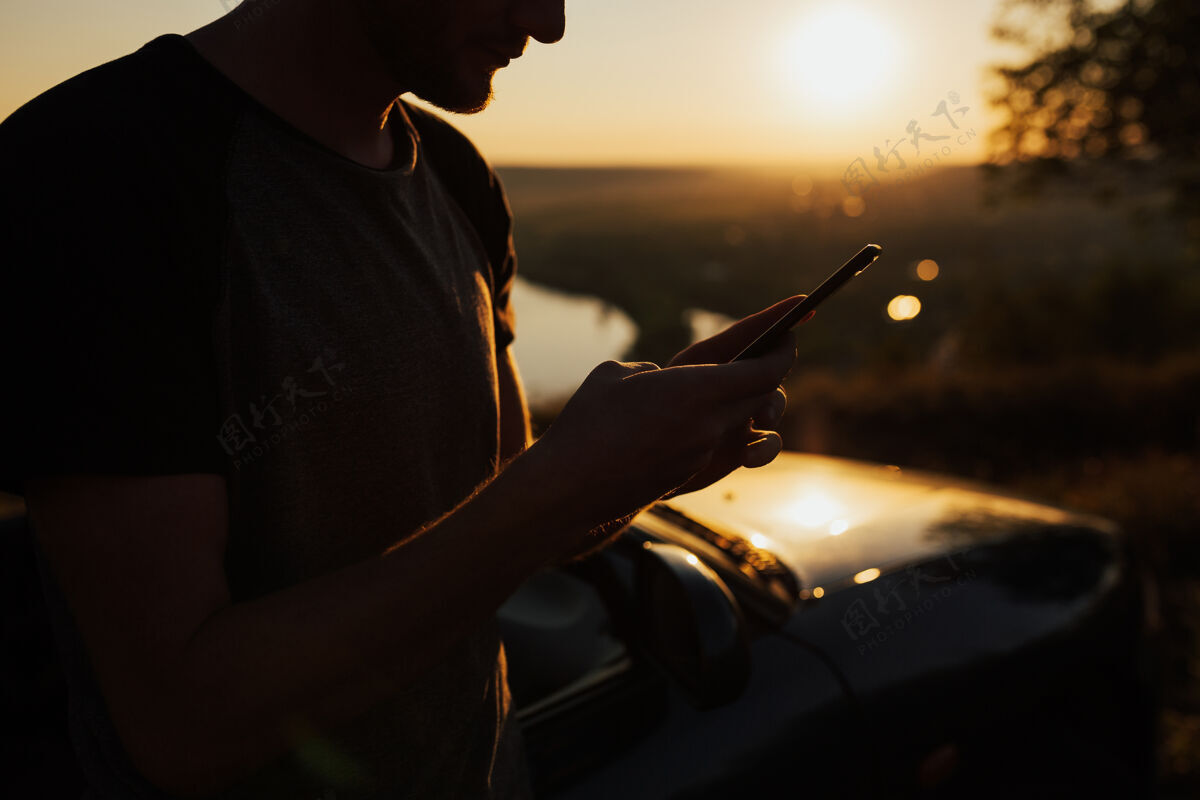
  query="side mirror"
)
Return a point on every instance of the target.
[{"x": 691, "y": 624}]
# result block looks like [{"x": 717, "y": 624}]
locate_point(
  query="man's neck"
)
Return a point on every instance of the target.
[{"x": 309, "y": 62}]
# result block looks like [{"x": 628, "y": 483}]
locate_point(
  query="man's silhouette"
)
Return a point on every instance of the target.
[{"x": 265, "y": 414}]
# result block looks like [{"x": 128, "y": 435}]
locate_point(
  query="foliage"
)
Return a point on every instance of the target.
[
  {"x": 1104, "y": 88},
  {"x": 1048, "y": 280},
  {"x": 1000, "y": 424},
  {"x": 1127, "y": 84}
]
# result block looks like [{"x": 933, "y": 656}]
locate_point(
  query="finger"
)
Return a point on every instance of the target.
[
  {"x": 735, "y": 381},
  {"x": 628, "y": 368},
  {"x": 728, "y": 343},
  {"x": 621, "y": 369},
  {"x": 762, "y": 451},
  {"x": 738, "y": 427},
  {"x": 770, "y": 415}
]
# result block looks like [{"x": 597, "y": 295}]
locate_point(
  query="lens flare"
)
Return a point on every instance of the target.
[{"x": 903, "y": 306}]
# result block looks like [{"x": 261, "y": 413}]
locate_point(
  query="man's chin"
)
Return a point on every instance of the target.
[{"x": 461, "y": 98}]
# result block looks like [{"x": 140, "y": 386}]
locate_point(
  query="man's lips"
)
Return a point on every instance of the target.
[{"x": 505, "y": 52}]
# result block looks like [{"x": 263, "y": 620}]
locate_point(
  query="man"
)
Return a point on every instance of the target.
[{"x": 269, "y": 429}]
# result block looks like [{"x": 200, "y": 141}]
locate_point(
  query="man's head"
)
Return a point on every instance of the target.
[{"x": 446, "y": 51}]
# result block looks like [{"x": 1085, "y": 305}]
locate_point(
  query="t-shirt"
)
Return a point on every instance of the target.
[{"x": 192, "y": 285}]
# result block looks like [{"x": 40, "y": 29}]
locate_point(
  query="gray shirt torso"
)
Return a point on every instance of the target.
[{"x": 354, "y": 343}]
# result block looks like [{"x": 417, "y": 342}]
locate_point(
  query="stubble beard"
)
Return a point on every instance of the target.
[
  {"x": 453, "y": 91},
  {"x": 412, "y": 39}
]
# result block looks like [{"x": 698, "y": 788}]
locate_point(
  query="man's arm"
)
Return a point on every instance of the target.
[
  {"x": 202, "y": 691},
  {"x": 141, "y": 561},
  {"x": 516, "y": 434}
]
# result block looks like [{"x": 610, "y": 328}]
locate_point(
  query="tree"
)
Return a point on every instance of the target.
[{"x": 1109, "y": 89}]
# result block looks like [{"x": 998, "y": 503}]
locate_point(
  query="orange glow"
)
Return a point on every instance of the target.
[
  {"x": 903, "y": 306},
  {"x": 818, "y": 592},
  {"x": 807, "y": 86},
  {"x": 927, "y": 270},
  {"x": 816, "y": 56},
  {"x": 813, "y": 510},
  {"x": 867, "y": 575}
]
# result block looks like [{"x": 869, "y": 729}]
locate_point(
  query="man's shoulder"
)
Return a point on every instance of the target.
[
  {"x": 437, "y": 133},
  {"x": 471, "y": 182},
  {"x": 88, "y": 100},
  {"x": 455, "y": 158},
  {"x": 133, "y": 104},
  {"x": 469, "y": 177}
]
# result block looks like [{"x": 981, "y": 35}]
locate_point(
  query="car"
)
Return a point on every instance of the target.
[
  {"x": 814, "y": 628},
  {"x": 827, "y": 628}
]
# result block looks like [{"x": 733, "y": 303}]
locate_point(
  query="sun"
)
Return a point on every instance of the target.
[{"x": 840, "y": 55}]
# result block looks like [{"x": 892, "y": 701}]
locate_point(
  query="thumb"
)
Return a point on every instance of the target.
[{"x": 720, "y": 348}]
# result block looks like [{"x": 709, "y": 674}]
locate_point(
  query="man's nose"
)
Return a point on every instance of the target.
[{"x": 544, "y": 20}]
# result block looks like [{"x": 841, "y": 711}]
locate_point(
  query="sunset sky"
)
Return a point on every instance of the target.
[{"x": 640, "y": 82}]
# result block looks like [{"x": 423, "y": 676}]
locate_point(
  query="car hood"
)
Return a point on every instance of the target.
[{"x": 834, "y": 521}]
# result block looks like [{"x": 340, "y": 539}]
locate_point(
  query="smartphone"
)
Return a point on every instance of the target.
[{"x": 860, "y": 261}]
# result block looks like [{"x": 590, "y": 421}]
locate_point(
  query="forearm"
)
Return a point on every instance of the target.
[
  {"x": 597, "y": 539},
  {"x": 324, "y": 651}
]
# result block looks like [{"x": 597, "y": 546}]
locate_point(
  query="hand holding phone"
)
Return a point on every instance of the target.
[{"x": 859, "y": 262}]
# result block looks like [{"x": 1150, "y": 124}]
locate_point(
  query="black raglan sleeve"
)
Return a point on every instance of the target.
[
  {"x": 110, "y": 365},
  {"x": 504, "y": 266},
  {"x": 477, "y": 189}
]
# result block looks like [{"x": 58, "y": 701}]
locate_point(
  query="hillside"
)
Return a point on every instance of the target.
[{"x": 658, "y": 242}]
